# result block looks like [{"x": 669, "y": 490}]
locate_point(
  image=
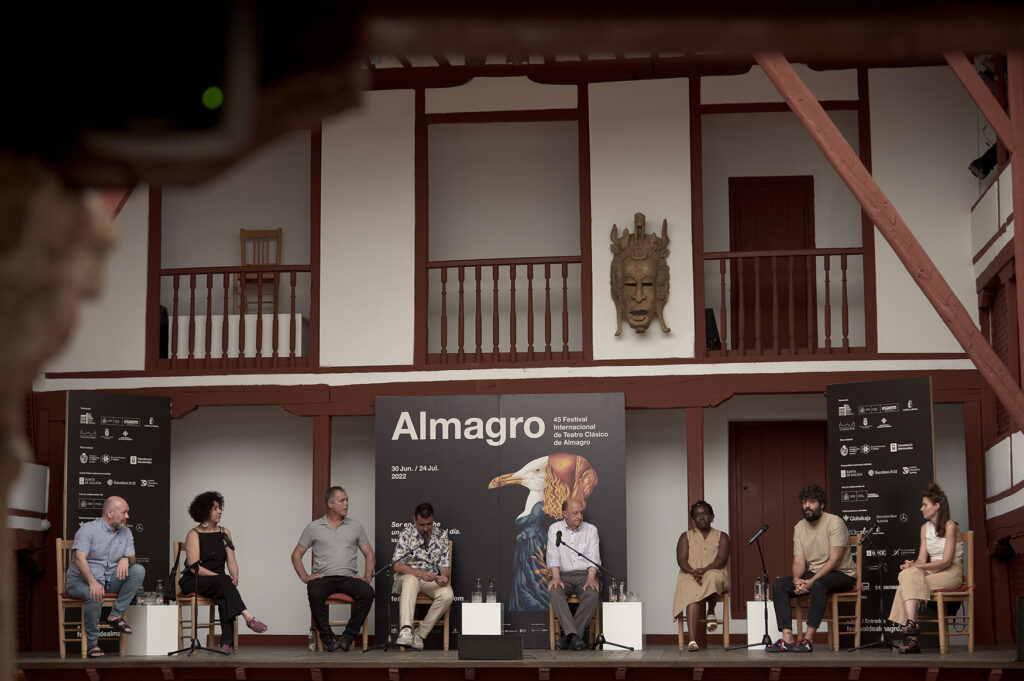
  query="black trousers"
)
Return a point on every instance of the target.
[
  {"x": 319, "y": 589},
  {"x": 782, "y": 592},
  {"x": 229, "y": 601}
]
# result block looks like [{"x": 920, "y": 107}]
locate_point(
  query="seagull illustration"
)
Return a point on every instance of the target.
[{"x": 550, "y": 480}]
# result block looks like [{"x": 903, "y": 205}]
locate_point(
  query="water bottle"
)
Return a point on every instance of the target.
[
  {"x": 477, "y": 596},
  {"x": 492, "y": 592},
  {"x": 312, "y": 640},
  {"x": 613, "y": 591},
  {"x": 159, "y": 592},
  {"x": 140, "y": 596},
  {"x": 622, "y": 591},
  {"x": 758, "y": 589}
]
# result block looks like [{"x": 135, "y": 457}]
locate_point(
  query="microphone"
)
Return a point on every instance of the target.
[
  {"x": 867, "y": 533},
  {"x": 558, "y": 538},
  {"x": 757, "y": 535}
]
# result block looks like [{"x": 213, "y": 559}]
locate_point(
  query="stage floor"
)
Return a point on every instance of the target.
[{"x": 657, "y": 662}]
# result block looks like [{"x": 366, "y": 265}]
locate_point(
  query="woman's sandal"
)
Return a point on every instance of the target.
[
  {"x": 256, "y": 625},
  {"x": 693, "y": 647},
  {"x": 120, "y": 625},
  {"x": 96, "y": 651},
  {"x": 712, "y": 624}
]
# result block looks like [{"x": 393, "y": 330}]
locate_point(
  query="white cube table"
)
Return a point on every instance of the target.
[
  {"x": 154, "y": 629},
  {"x": 482, "y": 619},
  {"x": 623, "y": 623},
  {"x": 755, "y": 621}
]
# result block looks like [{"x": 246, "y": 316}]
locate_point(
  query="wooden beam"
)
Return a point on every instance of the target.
[
  {"x": 904, "y": 244},
  {"x": 321, "y": 461},
  {"x": 1015, "y": 95},
  {"x": 982, "y": 96}
]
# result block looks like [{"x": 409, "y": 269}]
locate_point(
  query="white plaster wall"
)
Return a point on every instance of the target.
[
  {"x": 922, "y": 139},
  {"x": 640, "y": 162},
  {"x": 353, "y": 451},
  {"x": 754, "y": 86},
  {"x": 656, "y": 509},
  {"x": 111, "y": 330},
  {"x": 500, "y": 94},
  {"x": 775, "y": 144},
  {"x": 368, "y": 233},
  {"x": 260, "y": 459}
]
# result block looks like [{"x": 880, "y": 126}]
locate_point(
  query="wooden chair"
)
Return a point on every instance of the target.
[
  {"x": 259, "y": 247},
  {"x": 189, "y": 603},
  {"x": 424, "y": 599},
  {"x": 555, "y": 628},
  {"x": 832, "y": 606},
  {"x": 339, "y": 599},
  {"x": 725, "y": 622},
  {"x": 68, "y": 629},
  {"x": 964, "y": 594}
]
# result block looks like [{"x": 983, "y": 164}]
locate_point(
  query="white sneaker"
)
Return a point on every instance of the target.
[
  {"x": 417, "y": 641},
  {"x": 405, "y": 638}
]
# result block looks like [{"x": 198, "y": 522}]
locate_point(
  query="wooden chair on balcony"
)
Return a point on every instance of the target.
[{"x": 259, "y": 247}]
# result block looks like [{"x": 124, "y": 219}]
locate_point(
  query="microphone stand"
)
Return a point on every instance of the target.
[
  {"x": 600, "y": 640},
  {"x": 386, "y": 645},
  {"x": 194, "y": 644},
  {"x": 766, "y": 640},
  {"x": 881, "y": 568}
]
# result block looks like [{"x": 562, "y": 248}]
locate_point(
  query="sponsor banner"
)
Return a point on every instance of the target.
[
  {"x": 496, "y": 469},
  {"x": 880, "y": 460},
  {"x": 120, "y": 445}
]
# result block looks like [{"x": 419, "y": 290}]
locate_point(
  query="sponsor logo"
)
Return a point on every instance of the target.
[
  {"x": 911, "y": 470},
  {"x": 851, "y": 425},
  {"x": 888, "y": 471},
  {"x": 86, "y": 419},
  {"x": 845, "y": 410},
  {"x": 843, "y": 450},
  {"x": 133, "y": 460},
  {"x": 84, "y": 458},
  {"x": 87, "y": 434}
]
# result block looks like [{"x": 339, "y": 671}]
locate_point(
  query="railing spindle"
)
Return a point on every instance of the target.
[
  {"x": 775, "y": 305},
  {"x": 244, "y": 295},
  {"x": 209, "y": 317},
  {"x": 462, "y": 313},
  {"x": 259, "y": 318},
  {"x": 191, "y": 320},
  {"x": 565, "y": 310},
  {"x": 479, "y": 312},
  {"x": 723, "y": 317},
  {"x": 529, "y": 310},
  {"x": 174, "y": 322},
  {"x": 494, "y": 314},
  {"x": 292, "y": 331},
  {"x": 828, "y": 305},
  {"x": 547, "y": 310},
  {"x": 812, "y": 332},
  {"x": 757, "y": 304},
  {"x": 275, "y": 328},
  {"x": 791, "y": 310},
  {"x": 846, "y": 307},
  {"x": 512, "y": 313},
  {"x": 224, "y": 324},
  {"x": 444, "y": 315},
  {"x": 741, "y": 314}
]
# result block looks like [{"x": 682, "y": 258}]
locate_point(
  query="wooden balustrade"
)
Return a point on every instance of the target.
[
  {"x": 216, "y": 322},
  {"x": 778, "y": 303},
  {"x": 506, "y": 293}
]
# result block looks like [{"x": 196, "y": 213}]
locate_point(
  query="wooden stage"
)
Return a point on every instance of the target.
[{"x": 657, "y": 662}]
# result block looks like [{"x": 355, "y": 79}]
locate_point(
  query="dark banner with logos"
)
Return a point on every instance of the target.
[
  {"x": 496, "y": 469},
  {"x": 880, "y": 460},
  {"x": 120, "y": 445}
]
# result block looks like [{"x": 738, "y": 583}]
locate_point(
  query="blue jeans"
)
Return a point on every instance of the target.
[{"x": 76, "y": 587}]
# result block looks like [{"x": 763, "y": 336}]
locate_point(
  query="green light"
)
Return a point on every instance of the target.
[{"x": 213, "y": 97}]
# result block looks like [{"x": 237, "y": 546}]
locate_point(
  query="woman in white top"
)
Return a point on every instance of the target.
[{"x": 939, "y": 565}]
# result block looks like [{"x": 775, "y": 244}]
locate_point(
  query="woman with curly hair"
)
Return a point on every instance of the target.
[
  {"x": 208, "y": 549},
  {"x": 939, "y": 565}
]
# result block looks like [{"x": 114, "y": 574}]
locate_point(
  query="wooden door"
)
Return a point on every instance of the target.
[
  {"x": 769, "y": 462},
  {"x": 773, "y": 300}
]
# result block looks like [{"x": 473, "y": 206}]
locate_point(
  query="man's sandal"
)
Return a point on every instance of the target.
[
  {"x": 120, "y": 625},
  {"x": 96, "y": 651}
]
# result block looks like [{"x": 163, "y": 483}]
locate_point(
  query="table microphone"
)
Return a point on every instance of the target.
[{"x": 558, "y": 538}]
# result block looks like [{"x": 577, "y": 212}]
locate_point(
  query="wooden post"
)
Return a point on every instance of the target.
[
  {"x": 875, "y": 203},
  {"x": 694, "y": 454},
  {"x": 1015, "y": 95},
  {"x": 321, "y": 462}
]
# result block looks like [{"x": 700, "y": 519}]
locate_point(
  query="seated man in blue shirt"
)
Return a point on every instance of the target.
[{"x": 104, "y": 562}]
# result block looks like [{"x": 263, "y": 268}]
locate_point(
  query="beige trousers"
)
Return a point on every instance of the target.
[
  {"x": 918, "y": 584},
  {"x": 408, "y": 587}
]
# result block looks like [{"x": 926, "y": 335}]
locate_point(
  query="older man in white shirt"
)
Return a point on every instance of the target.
[{"x": 573, "y": 574}]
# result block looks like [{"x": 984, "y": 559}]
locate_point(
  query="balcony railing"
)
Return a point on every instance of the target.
[
  {"x": 506, "y": 311},
  {"x": 779, "y": 303},
  {"x": 234, "y": 317}
]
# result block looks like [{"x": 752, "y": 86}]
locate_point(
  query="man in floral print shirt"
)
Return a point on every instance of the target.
[{"x": 423, "y": 566}]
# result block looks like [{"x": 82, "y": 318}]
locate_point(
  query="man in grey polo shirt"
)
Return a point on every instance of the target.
[
  {"x": 336, "y": 541},
  {"x": 104, "y": 563}
]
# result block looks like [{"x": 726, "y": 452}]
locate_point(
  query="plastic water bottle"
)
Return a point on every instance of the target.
[
  {"x": 492, "y": 593},
  {"x": 477, "y": 595},
  {"x": 613, "y": 591},
  {"x": 312, "y": 640},
  {"x": 758, "y": 589},
  {"x": 622, "y": 591},
  {"x": 159, "y": 592},
  {"x": 140, "y": 596}
]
